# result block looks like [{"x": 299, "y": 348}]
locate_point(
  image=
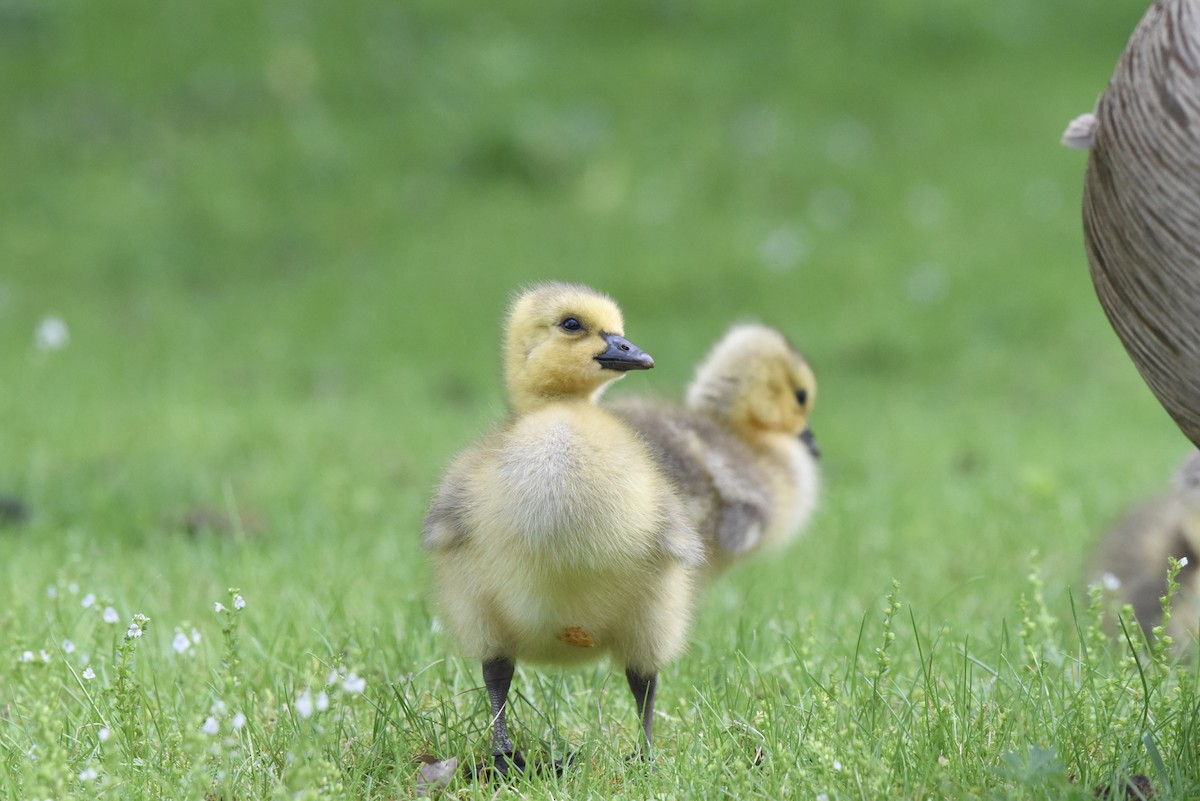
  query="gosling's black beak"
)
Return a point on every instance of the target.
[
  {"x": 623, "y": 355},
  {"x": 810, "y": 441}
]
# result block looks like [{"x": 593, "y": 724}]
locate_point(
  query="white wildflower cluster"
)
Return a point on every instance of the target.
[
  {"x": 109, "y": 613},
  {"x": 65, "y": 649},
  {"x": 42, "y": 656},
  {"x": 137, "y": 627},
  {"x": 307, "y": 703},
  {"x": 217, "y": 713},
  {"x": 338, "y": 682},
  {"x": 239, "y": 603},
  {"x": 53, "y": 590},
  {"x": 350, "y": 682},
  {"x": 185, "y": 642}
]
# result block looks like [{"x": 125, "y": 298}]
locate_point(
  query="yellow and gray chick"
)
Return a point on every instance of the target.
[
  {"x": 558, "y": 538},
  {"x": 1132, "y": 559},
  {"x": 740, "y": 450}
]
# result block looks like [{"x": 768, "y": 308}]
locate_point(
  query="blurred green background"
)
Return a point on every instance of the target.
[{"x": 282, "y": 236}]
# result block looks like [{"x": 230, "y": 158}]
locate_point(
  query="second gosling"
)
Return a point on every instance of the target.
[
  {"x": 741, "y": 450},
  {"x": 1132, "y": 559}
]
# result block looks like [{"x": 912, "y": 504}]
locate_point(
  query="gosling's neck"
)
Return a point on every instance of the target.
[{"x": 524, "y": 399}]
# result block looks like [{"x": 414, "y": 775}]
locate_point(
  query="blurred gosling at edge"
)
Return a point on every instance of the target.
[
  {"x": 557, "y": 538},
  {"x": 1132, "y": 559},
  {"x": 741, "y": 450}
]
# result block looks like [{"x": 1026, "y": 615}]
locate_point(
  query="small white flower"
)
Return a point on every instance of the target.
[
  {"x": 27, "y": 656},
  {"x": 218, "y": 707},
  {"x": 942, "y": 760},
  {"x": 88, "y": 774},
  {"x": 212, "y": 725},
  {"x": 1110, "y": 581},
  {"x": 354, "y": 683},
  {"x": 322, "y": 701},
  {"x": 73, "y": 588},
  {"x": 239, "y": 720},
  {"x": 332, "y": 677},
  {"x": 68, "y": 647},
  {"x": 1183, "y": 561},
  {"x": 45, "y": 655},
  {"x": 110, "y": 615},
  {"x": 822, "y": 796},
  {"x": 52, "y": 592},
  {"x": 239, "y": 602},
  {"x": 181, "y": 643},
  {"x": 88, "y": 673},
  {"x": 195, "y": 636},
  {"x": 88, "y": 600},
  {"x": 837, "y": 765},
  {"x": 103, "y": 734},
  {"x": 51, "y": 334},
  {"x": 134, "y": 632},
  {"x": 218, "y": 607},
  {"x": 304, "y": 704}
]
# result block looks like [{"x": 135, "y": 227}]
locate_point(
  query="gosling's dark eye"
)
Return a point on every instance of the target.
[
  {"x": 802, "y": 396},
  {"x": 571, "y": 324}
]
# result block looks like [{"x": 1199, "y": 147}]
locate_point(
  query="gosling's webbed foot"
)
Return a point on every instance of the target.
[
  {"x": 556, "y": 767},
  {"x": 501, "y": 765},
  {"x": 640, "y": 756},
  {"x": 504, "y": 765}
]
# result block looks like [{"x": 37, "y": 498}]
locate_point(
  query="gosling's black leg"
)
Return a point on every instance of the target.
[
  {"x": 497, "y": 676},
  {"x": 643, "y": 695}
]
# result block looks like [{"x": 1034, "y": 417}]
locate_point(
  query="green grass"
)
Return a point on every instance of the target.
[{"x": 282, "y": 236}]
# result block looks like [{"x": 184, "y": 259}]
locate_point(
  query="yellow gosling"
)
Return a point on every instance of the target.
[
  {"x": 557, "y": 538},
  {"x": 741, "y": 453}
]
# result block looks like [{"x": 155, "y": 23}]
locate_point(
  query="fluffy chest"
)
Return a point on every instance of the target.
[
  {"x": 565, "y": 484},
  {"x": 796, "y": 484}
]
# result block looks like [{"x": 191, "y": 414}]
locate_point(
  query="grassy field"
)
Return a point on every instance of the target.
[{"x": 281, "y": 236}]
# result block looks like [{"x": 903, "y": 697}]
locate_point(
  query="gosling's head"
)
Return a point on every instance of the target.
[
  {"x": 756, "y": 382},
  {"x": 1187, "y": 477},
  {"x": 565, "y": 341}
]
